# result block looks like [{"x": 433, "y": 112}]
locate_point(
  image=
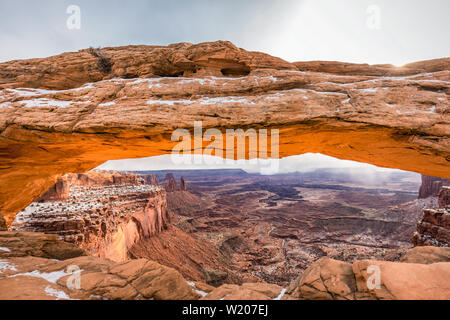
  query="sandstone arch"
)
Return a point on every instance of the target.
[{"x": 73, "y": 117}]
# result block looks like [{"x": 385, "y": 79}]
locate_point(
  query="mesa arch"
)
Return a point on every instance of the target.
[{"x": 65, "y": 114}]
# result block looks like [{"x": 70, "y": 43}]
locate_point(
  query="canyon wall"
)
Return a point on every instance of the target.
[
  {"x": 431, "y": 186},
  {"x": 105, "y": 213},
  {"x": 434, "y": 228}
]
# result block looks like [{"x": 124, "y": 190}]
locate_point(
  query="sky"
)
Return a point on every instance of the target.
[
  {"x": 308, "y": 162},
  {"x": 361, "y": 31}
]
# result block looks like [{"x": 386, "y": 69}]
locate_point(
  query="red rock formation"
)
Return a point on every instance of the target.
[
  {"x": 434, "y": 228},
  {"x": 151, "y": 179},
  {"x": 427, "y": 276},
  {"x": 47, "y": 133},
  {"x": 23, "y": 244},
  {"x": 3, "y": 226},
  {"x": 182, "y": 184},
  {"x": 36, "y": 266},
  {"x": 31, "y": 278},
  {"x": 173, "y": 248},
  {"x": 354, "y": 69},
  {"x": 104, "y": 212},
  {"x": 431, "y": 186},
  {"x": 58, "y": 192},
  {"x": 444, "y": 197},
  {"x": 70, "y": 70},
  {"x": 170, "y": 183}
]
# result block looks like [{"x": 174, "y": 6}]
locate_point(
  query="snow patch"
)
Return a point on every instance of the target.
[
  {"x": 369, "y": 90},
  {"x": 50, "y": 277},
  {"x": 200, "y": 292},
  {"x": 106, "y": 104},
  {"x": 5, "y": 249},
  {"x": 231, "y": 99},
  {"x": 29, "y": 92},
  {"x": 5, "y": 266},
  {"x": 56, "y": 293},
  {"x": 169, "y": 102},
  {"x": 283, "y": 291},
  {"x": 44, "y": 102}
]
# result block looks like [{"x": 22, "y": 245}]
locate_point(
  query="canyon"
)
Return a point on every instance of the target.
[
  {"x": 104, "y": 213},
  {"x": 65, "y": 114},
  {"x": 221, "y": 234},
  {"x": 272, "y": 228},
  {"x": 273, "y": 243}
]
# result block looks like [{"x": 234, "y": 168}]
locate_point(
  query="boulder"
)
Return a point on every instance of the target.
[
  {"x": 215, "y": 278},
  {"x": 247, "y": 291},
  {"x": 325, "y": 279},
  {"x": 403, "y": 281},
  {"x": 21, "y": 244},
  {"x": 427, "y": 255},
  {"x": 39, "y": 278}
]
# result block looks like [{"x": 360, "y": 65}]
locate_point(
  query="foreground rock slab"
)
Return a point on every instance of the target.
[
  {"x": 22, "y": 244},
  {"x": 247, "y": 291},
  {"x": 404, "y": 281},
  {"x": 39, "y": 278},
  {"x": 428, "y": 278}
]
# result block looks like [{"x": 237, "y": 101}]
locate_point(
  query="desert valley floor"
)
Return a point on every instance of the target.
[{"x": 271, "y": 227}]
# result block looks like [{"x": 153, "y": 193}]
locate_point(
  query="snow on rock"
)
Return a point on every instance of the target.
[
  {"x": 283, "y": 291},
  {"x": 106, "y": 104},
  {"x": 5, "y": 266},
  {"x": 169, "y": 102},
  {"x": 229, "y": 99},
  {"x": 44, "y": 102},
  {"x": 50, "y": 276},
  {"x": 56, "y": 293},
  {"x": 200, "y": 292}
]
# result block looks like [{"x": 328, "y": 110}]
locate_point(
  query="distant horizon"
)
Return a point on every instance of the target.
[{"x": 307, "y": 162}]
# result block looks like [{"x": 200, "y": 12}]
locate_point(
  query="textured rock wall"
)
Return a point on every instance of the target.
[
  {"x": 170, "y": 183},
  {"x": 104, "y": 213},
  {"x": 423, "y": 273},
  {"x": 444, "y": 197},
  {"x": 434, "y": 228},
  {"x": 431, "y": 186},
  {"x": 3, "y": 226}
]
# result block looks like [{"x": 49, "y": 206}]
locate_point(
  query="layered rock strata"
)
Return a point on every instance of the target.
[
  {"x": 434, "y": 228},
  {"x": 43, "y": 273},
  {"x": 32, "y": 267},
  {"x": 431, "y": 186},
  {"x": 104, "y": 213}
]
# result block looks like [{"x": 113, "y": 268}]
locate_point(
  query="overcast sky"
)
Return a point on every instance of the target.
[
  {"x": 373, "y": 31},
  {"x": 307, "y": 162}
]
